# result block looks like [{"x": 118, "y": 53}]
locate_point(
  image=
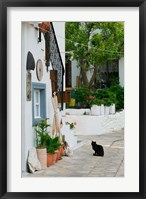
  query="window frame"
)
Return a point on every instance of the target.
[
  {"x": 42, "y": 88},
  {"x": 37, "y": 103}
]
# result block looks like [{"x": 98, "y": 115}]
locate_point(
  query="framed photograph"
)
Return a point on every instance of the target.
[{"x": 72, "y": 99}]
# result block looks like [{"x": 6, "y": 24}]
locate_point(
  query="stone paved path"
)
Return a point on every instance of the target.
[{"x": 84, "y": 164}]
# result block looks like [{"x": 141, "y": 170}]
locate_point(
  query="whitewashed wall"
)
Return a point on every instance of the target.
[
  {"x": 121, "y": 71},
  {"x": 96, "y": 125},
  {"x": 30, "y": 43},
  {"x": 75, "y": 72}
]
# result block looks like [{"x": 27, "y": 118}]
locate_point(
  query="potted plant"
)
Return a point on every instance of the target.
[
  {"x": 52, "y": 144},
  {"x": 71, "y": 125},
  {"x": 51, "y": 156},
  {"x": 41, "y": 135},
  {"x": 94, "y": 103},
  {"x": 56, "y": 144},
  {"x": 118, "y": 91},
  {"x": 112, "y": 108},
  {"x": 81, "y": 94}
]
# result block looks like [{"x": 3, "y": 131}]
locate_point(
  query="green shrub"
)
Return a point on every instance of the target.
[
  {"x": 119, "y": 91},
  {"x": 93, "y": 100},
  {"x": 81, "y": 95},
  {"x": 113, "y": 81},
  {"x": 43, "y": 139},
  {"x": 105, "y": 96},
  {"x": 41, "y": 133},
  {"x": 108, "y": 96},
  {"x": 52, "y": 144}
]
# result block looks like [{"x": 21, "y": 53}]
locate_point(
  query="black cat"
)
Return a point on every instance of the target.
[{"x": 98, "y": 149}]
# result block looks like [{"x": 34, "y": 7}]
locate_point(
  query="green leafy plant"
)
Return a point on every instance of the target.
[
  {"x": 107, "y": 102},
  {"x": 81, "y": 96},
  {"x": 50, "y": 149},
  {"x": 72, "y": 124},
  {"x": 113, "y": 81},
  {"x": 41, "y": 133},
  {"x": 52, "y": 144},
  {"x": 106, "y": 96},
  {"x": 93, "y": 100},
  {"x": 119, "y": 93}
]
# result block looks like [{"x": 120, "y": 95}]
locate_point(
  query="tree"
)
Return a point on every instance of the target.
[{"x": 93, "y": 44}]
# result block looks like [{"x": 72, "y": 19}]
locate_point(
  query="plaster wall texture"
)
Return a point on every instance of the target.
[
  {"x": 121, "y": 71},
  {"x": 96, "y": 125},
  {"x": 30, "y": 43}
]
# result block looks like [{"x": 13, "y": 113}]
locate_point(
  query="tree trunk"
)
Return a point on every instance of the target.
[
  {"x": 83, "y": 73},
  {"x": 92, "y": 80}
]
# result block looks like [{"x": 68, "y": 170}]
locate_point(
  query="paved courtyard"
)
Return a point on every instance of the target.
[{"x": 84, "y": 164}]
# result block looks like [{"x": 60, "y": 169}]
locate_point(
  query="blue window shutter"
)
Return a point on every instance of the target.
[{"x": 42, "y": 88}]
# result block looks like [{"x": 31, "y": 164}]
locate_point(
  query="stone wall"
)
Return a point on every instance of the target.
[{"x": 96, "y": 125}]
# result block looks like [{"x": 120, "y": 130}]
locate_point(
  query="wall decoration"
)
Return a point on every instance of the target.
[
  {"x": 28, "y": 86},
  {"x": 39, "y": 70},
  {"x": 30, "y": 63}
]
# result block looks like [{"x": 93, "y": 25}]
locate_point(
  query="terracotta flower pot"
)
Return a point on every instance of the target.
[
  {"x": 42, "y": 157},
  {"x": 49, "y": 159},
  {"x": 58, "y": 154},
  {"x": 61, "y": 149},
  {"x": 54, "y": 158},
  {"x": 44, "y": 26}
]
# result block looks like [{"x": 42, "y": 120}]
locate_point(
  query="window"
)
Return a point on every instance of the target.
[{"x": 38, "y": 102}]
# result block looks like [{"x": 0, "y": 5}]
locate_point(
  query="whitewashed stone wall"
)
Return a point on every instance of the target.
[
  {"x": 121, "y": 71},
  {"x": 96, "y": 125},
  {"x": 30, "y": 43}
]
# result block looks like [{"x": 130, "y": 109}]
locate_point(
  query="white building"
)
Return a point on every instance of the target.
[
  {"x": 75, "y": 72},
  {"x": 36, "y": 83}
]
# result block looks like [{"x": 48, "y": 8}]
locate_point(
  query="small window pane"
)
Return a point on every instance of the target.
[
  {"x": 37, "y": 103},
  {"x": 37, "y": 111},
  {"x": 37, "y": 96}
]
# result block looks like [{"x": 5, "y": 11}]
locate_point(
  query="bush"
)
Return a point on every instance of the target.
[
  {"x": 108, "y": 96},
  {"x": 81, "y": 95},
  {"x": 119, "y": 92},
  {"x": 52, "y": 144},
  {"x": 105, "y": 96},
  {"x": 41, "y": 133}
]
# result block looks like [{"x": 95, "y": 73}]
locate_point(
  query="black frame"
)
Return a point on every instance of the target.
[{"x": 4, "y": 4}]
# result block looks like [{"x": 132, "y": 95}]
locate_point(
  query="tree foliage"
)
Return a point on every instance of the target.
[{"x": 93, "y": 44}]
